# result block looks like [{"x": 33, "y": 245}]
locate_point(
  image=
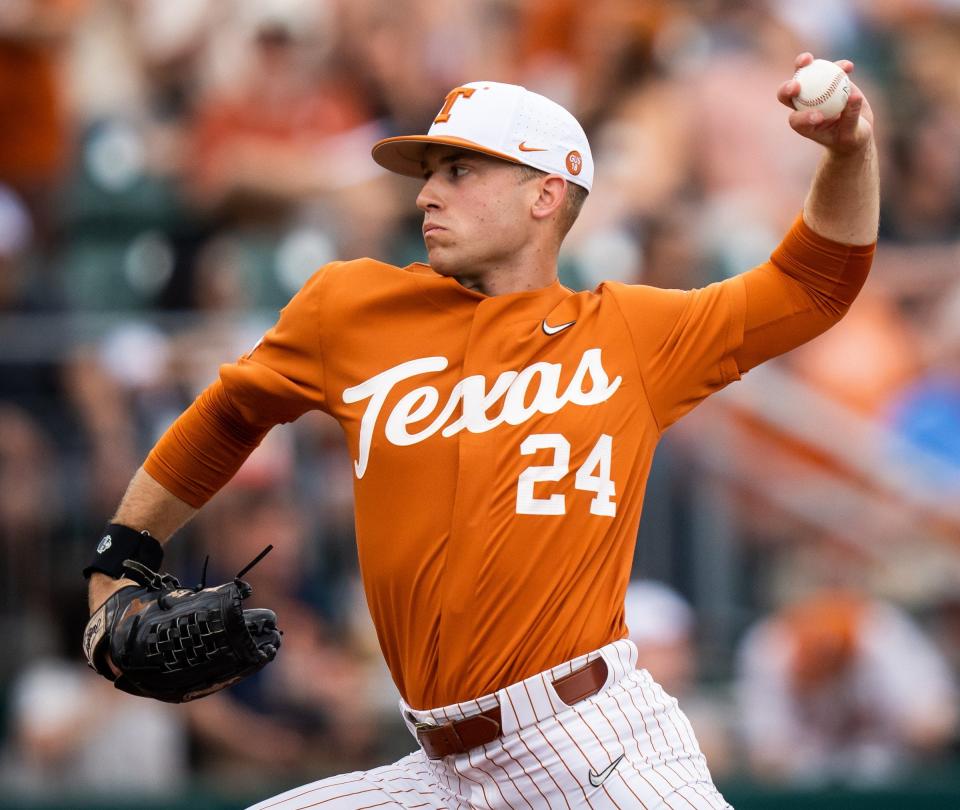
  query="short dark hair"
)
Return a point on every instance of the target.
[{"x": 576, "y": 196}]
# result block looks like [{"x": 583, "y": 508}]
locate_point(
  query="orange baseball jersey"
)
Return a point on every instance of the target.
[{"x": 502, "y": 444}]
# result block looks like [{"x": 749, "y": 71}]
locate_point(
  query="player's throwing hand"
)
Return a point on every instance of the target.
[{"x": 851, "y": 131}]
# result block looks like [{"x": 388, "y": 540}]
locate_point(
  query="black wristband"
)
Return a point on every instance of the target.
[{"x": 120, "y": 543}]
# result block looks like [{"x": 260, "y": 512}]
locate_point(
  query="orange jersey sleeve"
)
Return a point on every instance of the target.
[
  {"x": 684, "y": 342},
  {"x": 806, "y": 287},
  {"x": 203, "y": 448},
  {"x": 278, "y": 381},
  {"x": 692, "y": 343}
]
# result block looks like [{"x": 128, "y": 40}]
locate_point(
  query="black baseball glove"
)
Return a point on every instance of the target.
[{"x": 178, "y": 644}]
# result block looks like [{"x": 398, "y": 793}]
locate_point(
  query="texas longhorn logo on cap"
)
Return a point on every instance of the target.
[{"x": 444, "y": 115}]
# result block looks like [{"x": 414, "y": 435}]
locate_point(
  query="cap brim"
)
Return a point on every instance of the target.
[{"x": 404, "y": 154}]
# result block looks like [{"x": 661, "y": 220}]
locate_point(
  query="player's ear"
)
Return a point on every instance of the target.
[{"x": 553, "y": 190}]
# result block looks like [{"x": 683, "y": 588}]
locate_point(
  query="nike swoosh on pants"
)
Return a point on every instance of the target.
[{"x": 597, "y": 779}]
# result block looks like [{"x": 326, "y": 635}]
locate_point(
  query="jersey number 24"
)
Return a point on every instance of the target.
[{"x": 593, "y": 476}]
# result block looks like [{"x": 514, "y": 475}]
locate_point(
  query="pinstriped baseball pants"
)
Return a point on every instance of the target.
[{"x": 628, "y": 746}]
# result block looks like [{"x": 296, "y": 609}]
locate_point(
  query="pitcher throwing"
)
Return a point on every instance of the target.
[{"x": 502, "y": 429}]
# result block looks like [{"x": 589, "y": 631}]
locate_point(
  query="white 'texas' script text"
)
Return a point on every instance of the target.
[{"x": 512, "y": 387}]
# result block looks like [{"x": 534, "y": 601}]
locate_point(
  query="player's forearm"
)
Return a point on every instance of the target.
[
  {"x": 844, "y": 200},
  {"x": 145, "y": 506}
]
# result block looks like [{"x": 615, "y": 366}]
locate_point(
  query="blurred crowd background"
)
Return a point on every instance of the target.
[{"x": 171, "y": 173}]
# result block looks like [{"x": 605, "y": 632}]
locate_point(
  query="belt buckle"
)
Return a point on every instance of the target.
[{"x": 419, "y": 725}]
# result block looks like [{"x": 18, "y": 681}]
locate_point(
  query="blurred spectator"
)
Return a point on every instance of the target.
[
  {"x": 31, "y": 513},
  {"x": 749, "y": 195},
  {"x": 842, "y": 688},
  {"x": 645, "y": 154},
  {"x": 126, "y": 232},
  {"x": 33, "y": 127},
  {"x": 70, "y": 733},
  {"x": 223, "y": 292},
  {"x": 107, "y": 434},
  {"x": 16, "y": 235},
  {"x": 260, "y": 139},
  {"x": 944, "y": 618},
  {"x": 662, "y": 625},
  {"x": 28, "y": 375},
  {"x": 311, "y": 705},
  {"x": 923, "y": 201}
]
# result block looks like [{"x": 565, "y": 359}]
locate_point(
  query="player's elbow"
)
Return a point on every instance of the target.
[{"x": 831, "y": 308}]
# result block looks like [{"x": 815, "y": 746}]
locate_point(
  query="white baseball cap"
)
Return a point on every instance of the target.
[{"x": 503, "y": 120}]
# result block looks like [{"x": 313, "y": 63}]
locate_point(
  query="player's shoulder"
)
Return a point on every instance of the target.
[
  {"x": 355, "y": 278},
  {"x": 643, "y": 296},
  {"x": 353, "y": 269},
  {"x": 647, "y": 295},
  {"x": 652, "y": 311},
  {"x": 620, "y": 289},
  {"x": 611, "y": 297}
]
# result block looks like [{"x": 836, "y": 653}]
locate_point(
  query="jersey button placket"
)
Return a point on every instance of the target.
[{"x": 467, "y": 550}]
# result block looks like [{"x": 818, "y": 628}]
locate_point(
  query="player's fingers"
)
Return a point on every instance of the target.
[
  {"x": 803, "y": 59},
  {"x": 788, "y": 91},
  {"x": 849, "y": 118},
  {"x": 845, "y": 65},
  {"x": 865, "y": 110},
  {"x": 805, "y": 122},
  {"x": 852, "y": 107}
]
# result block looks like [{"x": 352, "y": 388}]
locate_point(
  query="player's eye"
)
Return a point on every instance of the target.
[{"x": 458, "y": 170}]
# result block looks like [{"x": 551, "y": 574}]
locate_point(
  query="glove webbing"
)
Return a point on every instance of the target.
[{"x": 190, "y": 640}]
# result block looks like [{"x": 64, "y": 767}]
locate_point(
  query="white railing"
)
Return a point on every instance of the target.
[{"x": 832, "y": 470}]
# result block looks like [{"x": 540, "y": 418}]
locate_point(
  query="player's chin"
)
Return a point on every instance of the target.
[{"x": 442, "y": 260}]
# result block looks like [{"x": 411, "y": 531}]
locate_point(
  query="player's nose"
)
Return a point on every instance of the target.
[{"x": 429, "y": 198}]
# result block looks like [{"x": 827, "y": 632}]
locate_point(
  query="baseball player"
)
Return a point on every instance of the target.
[{"x": 502, "y": 429}]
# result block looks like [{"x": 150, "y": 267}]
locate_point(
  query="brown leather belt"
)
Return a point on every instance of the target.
[{"x": 459, "y": 736}]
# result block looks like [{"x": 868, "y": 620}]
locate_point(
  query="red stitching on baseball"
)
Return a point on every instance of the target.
[{"x": 831, "y": 88}]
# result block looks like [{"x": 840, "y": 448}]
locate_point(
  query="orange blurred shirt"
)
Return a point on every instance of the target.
[{"x": 499, "y": 469}]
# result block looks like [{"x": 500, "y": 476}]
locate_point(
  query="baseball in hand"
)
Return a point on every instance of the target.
[{"x": 824, "y": 86}]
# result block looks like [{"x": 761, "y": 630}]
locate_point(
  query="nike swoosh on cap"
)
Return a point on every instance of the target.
[
  {"x": 524, "y": 148},
  {"x": 597, "y": 779},
  {"x": 552, "y": 330}
]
